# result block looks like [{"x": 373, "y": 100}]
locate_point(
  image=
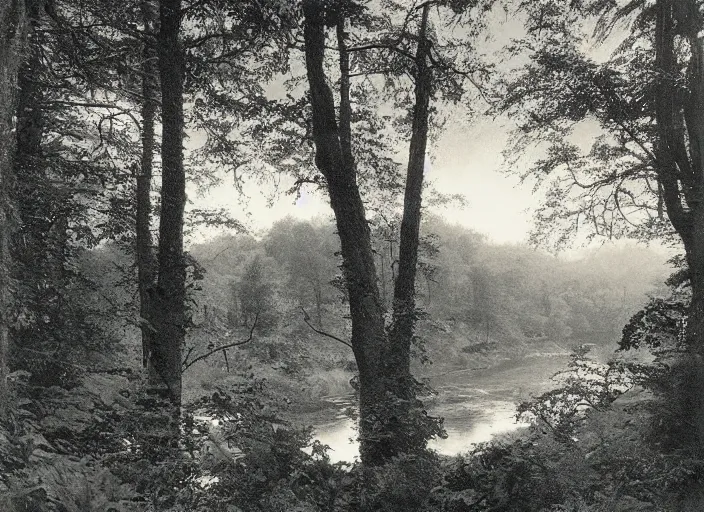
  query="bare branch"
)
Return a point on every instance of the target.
[
  {"x": 322, "y": 333},
  {"x": 187, "y": 364}
]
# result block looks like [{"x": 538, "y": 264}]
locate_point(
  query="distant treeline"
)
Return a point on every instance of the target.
[{"x": 498, "y": 293}]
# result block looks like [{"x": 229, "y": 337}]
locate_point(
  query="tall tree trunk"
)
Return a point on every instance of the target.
[
  {"x": 389, "y": 424},
  {"x": 12, "y": 34},
  {"x": 30, "y": 118},
  {"x": 680, "y": 165},
  {"x": 695, "y": 332},
  {"x": 169, "y": 311},
  {"x": 145, "y": 254},
  {"x": 30, "y": 247},
  {"x": 428, "y": 283},
  {"x": 333, "y": 158},
  {"x": 382, "y": 266},
  {"x": 404, "y": 304}
]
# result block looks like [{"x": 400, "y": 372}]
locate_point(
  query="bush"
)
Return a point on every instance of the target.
[
  {"x": 405, "y": 483},
  {"x": 585, "y": 451},
  {"x": 234, "y": 453}
]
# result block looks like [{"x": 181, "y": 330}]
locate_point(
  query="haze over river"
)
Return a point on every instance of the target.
[{"x": 476, "y": 405}]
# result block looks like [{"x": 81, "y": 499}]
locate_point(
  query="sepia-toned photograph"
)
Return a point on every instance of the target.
[{"x": 351, "y": 255}]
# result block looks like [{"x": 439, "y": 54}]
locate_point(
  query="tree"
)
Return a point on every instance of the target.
[
  {"x": 609, "y": 189},
  {"x": 97, "y": 68},
  {"x": 12, "y": 27},
  {"x": 648, "y": 99},
  {"x": 217, "y": 37},
  {"x": 404, "y": 305},
  {"x": 334, "y": 159},
  {"x": 391, "y": 418},
  {"x": 169, "y": 313},
  {"x": 69, "y": 189},
  {"x": 255, "y": 294},
  {"x": 307, "y": 251},
  {"x": 679, "y": 116},
  {"x": 143, "y": 235}
]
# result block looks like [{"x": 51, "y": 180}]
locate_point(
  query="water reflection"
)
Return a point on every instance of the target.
[
  {"x": 466, "y": 423},
  {"x": 478, "y": 426},
  {"x": 476, "y": 405}
]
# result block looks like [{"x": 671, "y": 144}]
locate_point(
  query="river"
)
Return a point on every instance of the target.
[{"x": 475, "y": 403}]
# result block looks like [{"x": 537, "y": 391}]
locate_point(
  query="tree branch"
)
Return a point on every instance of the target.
[
  {"x": 187, "y": 364},
  {"x": 322, "y": 333}
]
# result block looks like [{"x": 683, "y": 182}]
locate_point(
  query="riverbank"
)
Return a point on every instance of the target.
[{"x": 318, "y": 389}]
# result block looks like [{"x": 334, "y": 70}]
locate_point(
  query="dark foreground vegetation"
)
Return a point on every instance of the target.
[
  {"x": 137, "y": 375},
  {"x": 610, "y": 436}
]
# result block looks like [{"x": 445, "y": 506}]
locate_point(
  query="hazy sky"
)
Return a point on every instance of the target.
[{"x": 467, "y": 160}]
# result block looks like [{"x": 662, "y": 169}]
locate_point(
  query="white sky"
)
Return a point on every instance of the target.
[{"x": 466, "y": 160}]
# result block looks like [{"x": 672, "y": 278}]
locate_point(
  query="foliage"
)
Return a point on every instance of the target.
[
  {"x": 254, "y": 294},
  {"x": 659, "y": 326},
  {"x": 512, "y": 292},
  {"x": 593, "y": 461},
  {"x": 95, "y": 453},
  {"x": 236, "y": 454},
  {"x": 307, "y": 252},
  {"x": 404, "y": 483},
  {"x": 53, "y": 446},
  {"x": 584, "y": 385},
  {"x": 589, "y": 112}
]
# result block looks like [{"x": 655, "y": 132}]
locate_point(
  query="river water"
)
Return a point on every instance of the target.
[{"x": 476, "y": 405}]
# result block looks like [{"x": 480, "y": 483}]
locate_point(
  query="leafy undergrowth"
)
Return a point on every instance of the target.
[
  {"x": 605, "y": 466},
  {"x": 52, "y": 447},
  {"x": 601, "y": 442},
  {"x": 99, "y": 447},
  {"x": 608, "y": 439}
]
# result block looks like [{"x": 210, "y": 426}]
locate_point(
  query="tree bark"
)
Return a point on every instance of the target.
[
  {"x": 335, "y": 163},
  {"x": 12, "y": 37},
  {"x": 32, "y": 253},
  {"x": 680, "y": 165},
  {"x": 144, "y": 251},
  {"x": 30, "y": 119},
  {"x": 169, "y": 311},
  {"x": 318, "y": 292},
  {"x": 382, "y": 278}
]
